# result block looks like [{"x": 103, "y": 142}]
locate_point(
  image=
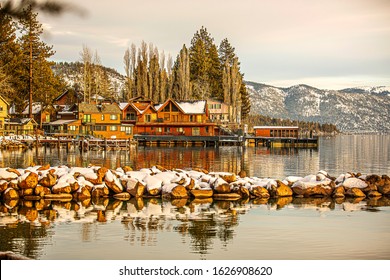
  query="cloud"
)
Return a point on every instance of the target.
[{"x": 274, "y": 40}]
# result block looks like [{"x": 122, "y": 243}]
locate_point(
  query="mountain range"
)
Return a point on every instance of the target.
[{"x": 362, "y": 109}]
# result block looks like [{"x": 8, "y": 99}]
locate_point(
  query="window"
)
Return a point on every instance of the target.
[
  {"x": 147, "y": 118},
  {"x": 113, "y": 128},
  {"x": 100, "y": 128},
  {"x": 159, "y": 129},
  {"x": 167, "y": 117},
  {"x": 102, "y": 118},
  {"x": 113, "y": 117},
  {"x": 127, "y": 129},
  {"x": 199, "y": 118},
  {"x": 195, "y": 131},
  {"x": 72, "y": 128},
  {"x": 1, "y": 109},
  {"x": 87, "y": 118},
  {"x": 47, "y": 118},
  {"x": 167, "y": 129},
  {"x": 130, "y": 116}
]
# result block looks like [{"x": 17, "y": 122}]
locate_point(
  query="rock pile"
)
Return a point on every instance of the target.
[{"x": 78, "y": 183}]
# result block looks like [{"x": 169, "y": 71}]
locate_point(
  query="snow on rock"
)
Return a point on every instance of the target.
[{"x": 354, "y": 183}]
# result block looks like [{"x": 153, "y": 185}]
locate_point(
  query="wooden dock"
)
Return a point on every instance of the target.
[
  {"x": 282, "y": 142},
  {"x": 205, "y": 141},
  {"x": 85, "y": 144}
]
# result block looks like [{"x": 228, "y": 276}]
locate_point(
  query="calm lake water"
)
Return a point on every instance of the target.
[{"x": 285, "y": 228}]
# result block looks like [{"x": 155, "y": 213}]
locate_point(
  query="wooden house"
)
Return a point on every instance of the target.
[
  {"x": 189, "y": 118},
  {"x": 102, "y": 121},
  {"x": 276, "y": 131},
  {"x": 138, "y": 110},
  {"x": 69, "y": 97},
  {"x": 218, "y": 111},
  {"x": 3, "y": 113},
  {"x": 41, "y": 114},
  {"x": 20, "y": 126}
]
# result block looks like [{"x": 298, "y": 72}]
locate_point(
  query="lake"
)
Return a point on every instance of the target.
[{"x": 284, "y": 228}]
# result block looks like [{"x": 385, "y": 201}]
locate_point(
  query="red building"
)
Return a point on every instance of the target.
[
  {"x": 189, "y": 118},
  {"x": 276, "y": 131}
]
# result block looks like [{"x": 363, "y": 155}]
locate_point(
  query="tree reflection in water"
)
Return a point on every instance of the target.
[{"x": 26, "y": 227}]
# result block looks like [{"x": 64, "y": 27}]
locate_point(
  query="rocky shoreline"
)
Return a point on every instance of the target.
[{"x": 78, "y": 183}]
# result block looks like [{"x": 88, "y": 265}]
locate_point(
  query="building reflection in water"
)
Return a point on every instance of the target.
[{"x": 27, "y": 227}]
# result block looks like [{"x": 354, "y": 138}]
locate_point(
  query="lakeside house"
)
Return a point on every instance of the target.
[
  {"x": 20, "y": 126},
  {"x": 276, "y": 131},
  {"x": 4, "y": 105}
]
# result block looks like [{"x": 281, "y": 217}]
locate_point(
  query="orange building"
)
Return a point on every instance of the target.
[{"x": 276, "y": 131}]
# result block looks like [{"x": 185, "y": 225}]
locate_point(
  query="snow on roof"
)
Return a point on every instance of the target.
[
  {"x": 36, "y": 108},
  {"x": 122, "y": 105},
  {"x": 60, "y": 122},
  {"x": 158, "y": 106},
  {"x": 192, "y": 107}
]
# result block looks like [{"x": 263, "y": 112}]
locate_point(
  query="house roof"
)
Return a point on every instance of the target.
[
  {"x": 61, "y": 122},
  {"x": 21, "y": 121},
  {"x": 186, "y": 106},
  {"x": 5, "y": 101},
  {"x": 36, "y": 108},
  {"x": 95, "y": 109},
  {"x": 193, "y": 107}
]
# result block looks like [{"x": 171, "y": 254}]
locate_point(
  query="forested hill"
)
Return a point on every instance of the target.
[
  {"x": 111, "y": 82},
  {"x": 364, "y": 109}
]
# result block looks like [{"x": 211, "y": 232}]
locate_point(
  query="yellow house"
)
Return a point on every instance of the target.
[
  {"x": 20, "y": 126},
  {"x": 3, "y": 113}
]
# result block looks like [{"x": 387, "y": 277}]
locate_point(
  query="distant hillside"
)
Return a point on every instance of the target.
[
  {"x": 364, "y": 109},
  {"x": 72, "y": 73}
]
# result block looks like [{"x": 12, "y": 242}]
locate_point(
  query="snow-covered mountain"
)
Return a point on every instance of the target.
[{"x": 354, "y": 109}]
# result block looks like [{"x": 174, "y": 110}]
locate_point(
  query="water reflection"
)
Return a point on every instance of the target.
[
  {"x": 27, "y": 226},
  {"x": 345, "y": 153}
]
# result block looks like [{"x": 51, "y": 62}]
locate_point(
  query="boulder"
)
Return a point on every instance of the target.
[
  {"x": 339, "y": 192},
  {"x": 59, "y": 196},
  {"x": 242, "y": 174},
  {"x": 127, "y": 168},
  {"x": 283, "y": 190},
  {"x": 49, "y": 180},
  {"x": 229, "y": 178},
  {"x": 385, "y": 189},
  {"x": 259, "y": 191},
  {"x": 10, "y": 194},
  {"x": 135, "y": 188},
  {"x": 179, "y": 192},
  {"x": 44, "y": 167},
  {"x": 355, "y": 192},
  {"x": 28, "y": 180},
  {"x": 222, "y": 188},
  {"x": 201, "y": 193},
  {"x": 226, "y": 196}
]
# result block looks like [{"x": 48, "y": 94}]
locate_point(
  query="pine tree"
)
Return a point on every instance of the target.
[
  {"x": 245, "y": 102},
  {"x": 129, "y": 74},
  {"x": 181, "y": 76},
  {"x": 35, "y": 53},
  {"x": 205, "y": 68},
  {"x": 9, "y": 56},
  {"x": 226, "y": 52}
]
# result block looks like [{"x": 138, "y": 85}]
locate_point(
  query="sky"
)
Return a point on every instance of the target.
[{"x": 330, "y": 44}]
